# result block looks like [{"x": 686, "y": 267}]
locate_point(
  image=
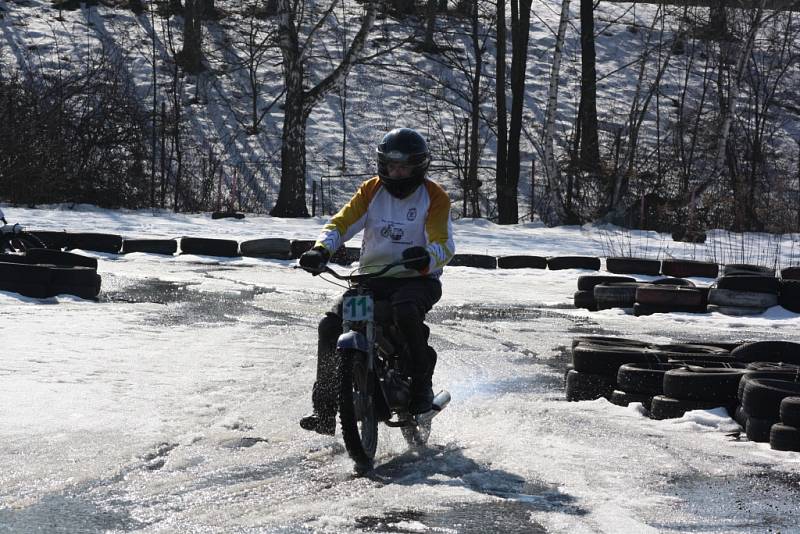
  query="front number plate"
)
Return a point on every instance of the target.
[{"x": 358, "y": 308}]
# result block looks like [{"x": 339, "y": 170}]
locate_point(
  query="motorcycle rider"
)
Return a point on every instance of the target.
[{"x": 405, "y": 216}]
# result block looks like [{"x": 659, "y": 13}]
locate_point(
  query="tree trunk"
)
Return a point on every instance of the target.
[
  {"x": 299, "y": 103},
  {"x": 552, "y": 98},
  {"x": 502, "y": 118},
  {"x": 430, "y": 26},
  {"x": 474, "y": 184},
  {"x": 507, "y": 209},
  {"x": 191, "y": 56},
  {"x": 590, "y": 145}
]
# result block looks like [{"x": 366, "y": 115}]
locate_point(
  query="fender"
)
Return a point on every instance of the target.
[{"x": 352, "y": 340}]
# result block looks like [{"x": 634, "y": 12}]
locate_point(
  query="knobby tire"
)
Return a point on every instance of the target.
[{"x": 357, "y": 413}]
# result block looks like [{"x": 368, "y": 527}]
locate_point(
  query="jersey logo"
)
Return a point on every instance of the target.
[
  {"x": 412, "y": 214},
  {"x": 392, "y": 232}
]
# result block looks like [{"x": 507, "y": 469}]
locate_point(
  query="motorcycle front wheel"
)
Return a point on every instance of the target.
[{"x": 357, "y": 413}]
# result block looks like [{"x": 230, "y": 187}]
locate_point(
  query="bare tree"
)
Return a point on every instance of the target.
[
  {"x": 191, "y": 55},
  {"x": 587, "y": 110},
  {"x": 507, "y": 205},
  {"x": 299, "y": 102}
]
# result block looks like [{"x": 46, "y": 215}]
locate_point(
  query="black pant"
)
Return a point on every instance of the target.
[{"x": 410, "y": 299}]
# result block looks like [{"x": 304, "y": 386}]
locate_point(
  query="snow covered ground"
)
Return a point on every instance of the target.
[{"x": 172, "y": 404}]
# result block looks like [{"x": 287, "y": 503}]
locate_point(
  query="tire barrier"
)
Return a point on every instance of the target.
[
  {"x": 521, "y": 262},
  {"x": 584, "y": 299},
  {"x": 298, "y": 246},
  {"x": 618, "y": 295},
  {"x": 557, "y": 263},
  {"x": 744, "y": 299},
  {"x": 479, "y": 261},
  {"x": 749, "y": 283},
  {"x": 735, "y": 311},
  {"x": 54, "y": 240},
  {"x": 272, "y": 248},
  {"x": 166, "y": 247},
  {"x": 620, "y": 265},
  {"x": 686, "y": 268},
  {"x": 768, "y": 351},
  {"x": 346, "y": 255},
  {"x": 43, "y": 281},
  {"x": 762, "y": 397},
  {"x": 624, "y": 398},
  {"x": 787, "y": 273},
  {"x": 673, "y": 281},
  {"x": 587, "y": 386},
  {"x": 110, "y": 243},
  {"x": 59, "y": 258},
  {"x": 670, "y": 295},
  {"x": 226, "y": 248},
  {"x": 745, "y": 268},
  {"x": 789, "y": 295},
  {"x": 790, "y": 411},
  {"x": 587, "y": 282},
  {"x": 227, "y": 215}
]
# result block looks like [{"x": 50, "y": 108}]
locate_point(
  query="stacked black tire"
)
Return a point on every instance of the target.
[
  {"x": 773, "y": 375},
  {"x": 744, "y": 290},
  {"x": 758, "y": 383},
  {"x": 43, "y": 273}
]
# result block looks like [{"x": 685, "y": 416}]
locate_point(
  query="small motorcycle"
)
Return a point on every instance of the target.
[{"x": 373, "y": 386}]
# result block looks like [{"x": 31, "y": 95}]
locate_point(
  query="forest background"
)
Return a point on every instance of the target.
[{"x": 670, "y": 117}]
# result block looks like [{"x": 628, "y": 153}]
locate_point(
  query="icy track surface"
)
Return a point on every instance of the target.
[{"x": 172, "y": 404}]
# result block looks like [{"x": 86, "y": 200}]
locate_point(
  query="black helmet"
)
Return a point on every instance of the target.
[{"x": 403, "y": 145}]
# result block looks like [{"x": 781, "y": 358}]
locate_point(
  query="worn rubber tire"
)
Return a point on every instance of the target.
[
  {"x": 606, "y": 360},
  {"x": 96, "y": 242},
  {"x": 624, "y": 398},
  {"x": 783, "y": 437},
  {"x": 740, "y": 416},
  {"x": 664, "y": 407},
  {"x": 52, "y": 239},
  {"x": 586, "y": 386},
  {"x": 522, "y": 262},
  {"x": 745, "y": 268},
  {"x": 768, "y": 351},
  {"x": 640, "y": 309},
  {"x": 689, "y": 268},
  {"x": 670, "y": 296},
  {"x": 703, "y": 384},
  {"x": 790, "y": 411},
  {"x": 758, "y": 428},
  {"x": 775, "y": 374},
  {"x": 620, "y": 295},
  {"x": 749, "y": 282},
  {"x": 202, "y": 246},
  {"x": 62, "y": 259},
  {"x": 643, "y": 378},
  {"x": 673, "y": 281},
  {"x": 227, "y": 215},
  {"x": 609, "y": 341},
  {"x": 789, "y": 295},
  {"x": 361, "y": 441},
  {"x": 735, "y": 311},
  {"x": 298, "y": 246},
  {"x": 762, "y": 396},
  {"x": 685, "y": 351},
  {"x": 584, "y": 299},
  {"x": 742, "y": 299},
  {"x": 587, "y": 282},
  {"x": 791, "y": 273},
  {"x": 622, "y": 265},
  {"x": 557, "y": 263},
  {"x": 346, "y": 255},
  {"x": 167, "y": 247},
  {"x": 477, "y": 261}
]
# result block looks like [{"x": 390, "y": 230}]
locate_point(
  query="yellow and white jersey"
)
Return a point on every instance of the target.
[{"x": 391, "y": 225}]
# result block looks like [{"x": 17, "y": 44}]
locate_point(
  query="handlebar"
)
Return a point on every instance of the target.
[{"x": 356, "y": 278}]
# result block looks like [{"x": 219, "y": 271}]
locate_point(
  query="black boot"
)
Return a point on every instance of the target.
[
  {"x": 319, "y": 422},
  {"x": 421, "y": 392}
]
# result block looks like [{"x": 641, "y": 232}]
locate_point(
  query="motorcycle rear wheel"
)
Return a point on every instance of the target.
[{"x": 357, "y": 412}]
